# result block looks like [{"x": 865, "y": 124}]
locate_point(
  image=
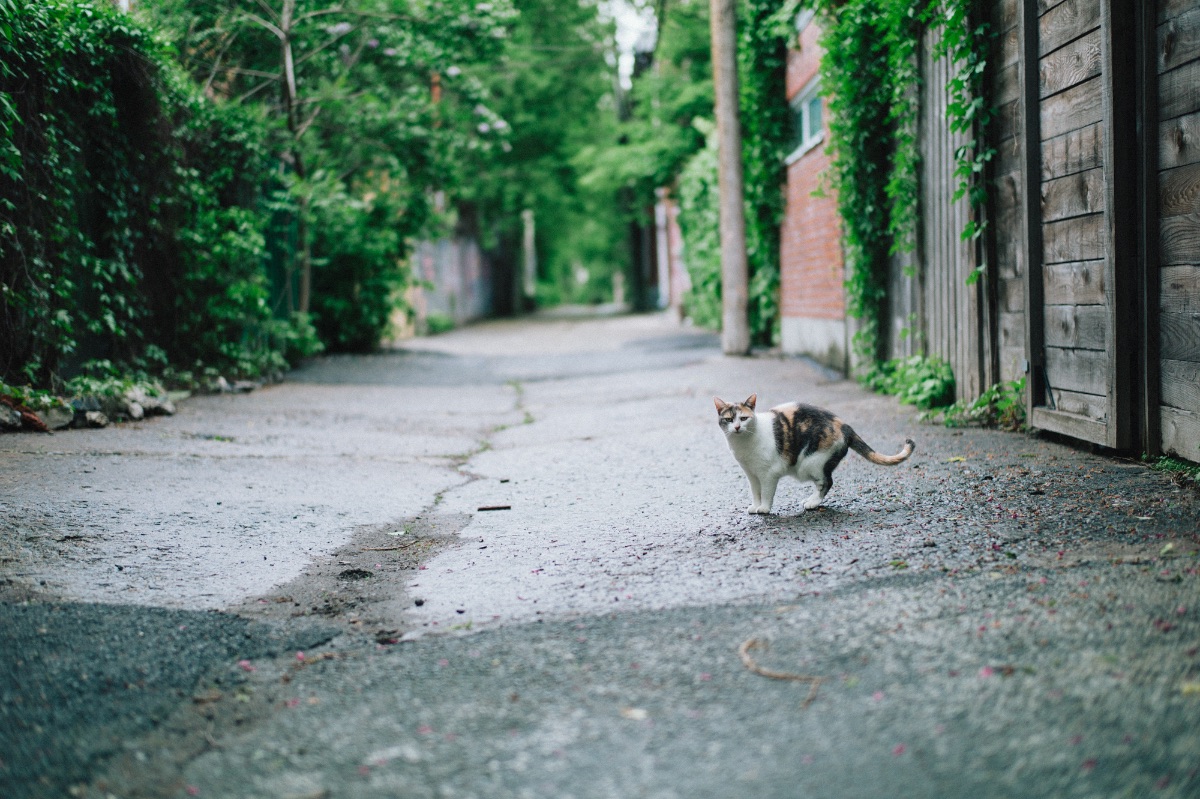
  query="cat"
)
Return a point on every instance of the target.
[{"x": 806, "y": 442}]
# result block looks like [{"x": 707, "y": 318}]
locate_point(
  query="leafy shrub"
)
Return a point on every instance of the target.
[
  {"x": 132, "y": 220},
  {"x": 438, "y": 323},
  {"x": 105, "y": 380},
  {"x": 699, "y": 222},
  {"x": 359, "y": 266},
  {"x": 1002, "y": 405},
  {"x": 920, "y": 381}
]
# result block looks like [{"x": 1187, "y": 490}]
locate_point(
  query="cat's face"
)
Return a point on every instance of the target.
[{"x": 736, "y": 418}]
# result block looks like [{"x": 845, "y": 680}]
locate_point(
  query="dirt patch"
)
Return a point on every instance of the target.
[
  {"x": 363, "y": 585},
  {"x": 359, "y": 590}
]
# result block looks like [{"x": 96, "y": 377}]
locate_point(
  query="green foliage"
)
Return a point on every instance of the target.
[
  {"x": 34, "y": 399},
  {"x": 917, "y": 380},
  {"x": 132, "y": 221},
  {"x": 104, "y": 380},
  {"x": 359, "y": 263},
  {"x": 1002, "y": 405},
  {"x": 438, "y": 323},
  {"x": 766, "y": 131},
  {"x": 1180, "y": 472},
  {"x": 699, "y": 222},
  {"x": 870, "y": 75},
  {"x": 763, "y": 40},
  {"x": 550, "y": 92}
]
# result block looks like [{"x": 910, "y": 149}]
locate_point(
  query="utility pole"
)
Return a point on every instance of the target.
[{"x": 735, "y": 328}]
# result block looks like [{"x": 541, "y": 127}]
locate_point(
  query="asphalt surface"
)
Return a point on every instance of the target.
[{"x": 514, "y": 560}]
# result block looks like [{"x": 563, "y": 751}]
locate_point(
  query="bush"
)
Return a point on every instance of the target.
[
  {"x": 132, "y": 219},
  {"x": 920, "y": 381}
]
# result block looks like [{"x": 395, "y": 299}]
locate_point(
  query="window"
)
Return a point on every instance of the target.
[{"x": 806, "y": 120}]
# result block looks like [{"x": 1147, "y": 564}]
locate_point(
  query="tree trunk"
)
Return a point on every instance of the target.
[
  {"x": 735, "y": 327},
  {"x": 290, "y": 101}
]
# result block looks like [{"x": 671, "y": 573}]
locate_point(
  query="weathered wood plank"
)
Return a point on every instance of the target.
[
  {"x": 1119, "y": 21},
  {"x": 1080, "y": 283},
  {"x": 1077, "y": 326},
  {"x": 1012, "y": 362},
  {"x": 1089, "y": 406},
  {"x": 1074, "y": 195},
  {"x": 1179, "y": 190},
  {"x": 1075, "y": 151},
  {"x": 1066, "y": 22},
  {"x": 1085, "y": 371},
  {"x": 1008, "y": 121},
  {"x": 1008, "y": 156},
  {"x": 1077, "y": 107},
  {"x": 1005, "y": 15},
  {"x": 1179, "y": 141},
  {"x": 1008, "y": 45},
  {"x": 1006, "y": 223},
  {"x": 1169, "y": 9},
  {"x": 1181, "y": 433},
  {"x": 1012, "y": 330},
  {"x": 1179, "y": 91},
  {"x": 1179, "y": 239},
  {"x": 1179, "y": 289},
  {"x": 1068, "y": 424},
  {"x": 1180, "y": 336},
  {"x": 1181, "y": 384},
  {"x": 1007, "y": 85},
  {"x": 1179, "y": 40},
  {"x": 1082, "y": 238},
  {"x": 1070, "y": 65},
  {"x": 1012, "y": 294},
  {"x": 1008, "y": 257}
]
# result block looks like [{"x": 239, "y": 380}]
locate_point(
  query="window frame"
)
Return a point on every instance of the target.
[{"x": 800, "y": 102}]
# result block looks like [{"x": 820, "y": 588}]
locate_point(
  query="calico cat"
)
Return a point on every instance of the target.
[{"x": 806, "y": 442}]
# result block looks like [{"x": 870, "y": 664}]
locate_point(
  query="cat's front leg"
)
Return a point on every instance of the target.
[
  {"x": 767, "y": 494},
  {"x": 755, "y": 494}
]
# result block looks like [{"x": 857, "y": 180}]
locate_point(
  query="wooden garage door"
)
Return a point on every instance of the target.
[
  {"x": 1178, "y": 67},
  {"x": 1081, "y": 379}
]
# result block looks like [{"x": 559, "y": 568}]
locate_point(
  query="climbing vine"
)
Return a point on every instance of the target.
[
  {"x": 871, "y": 78},
  {"x": 766, "y": 130}
]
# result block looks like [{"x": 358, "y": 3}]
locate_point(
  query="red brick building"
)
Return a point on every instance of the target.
[{"x": 812, "y": 297}]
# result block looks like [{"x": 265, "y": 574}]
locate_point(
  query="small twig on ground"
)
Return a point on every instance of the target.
[
  {"x": 391, "y": 549},
  {"x": 749, "y": 662}
]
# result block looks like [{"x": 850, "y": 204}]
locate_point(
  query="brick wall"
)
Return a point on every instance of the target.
[{"x": 811, "y": 268}]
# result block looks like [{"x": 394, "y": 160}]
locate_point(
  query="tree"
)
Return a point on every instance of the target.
[{"x": 361, "y": 140}]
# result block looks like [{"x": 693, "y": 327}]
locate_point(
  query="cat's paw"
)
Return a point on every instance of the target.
[
  {"x": 762, "y": 510},
  {"x": 812, "y": 503}
]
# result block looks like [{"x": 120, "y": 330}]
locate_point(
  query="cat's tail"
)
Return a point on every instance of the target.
[{"x": 864, "y": 449}]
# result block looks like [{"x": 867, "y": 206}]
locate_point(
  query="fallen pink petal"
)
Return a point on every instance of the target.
[
  {"x": 986, "y": 671},
  {"x": 898, "y": 750}
]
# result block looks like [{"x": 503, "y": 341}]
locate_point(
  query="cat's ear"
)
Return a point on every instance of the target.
[
  {"x": 721, "y": 404},
  {"x": 749, "y": 403}
]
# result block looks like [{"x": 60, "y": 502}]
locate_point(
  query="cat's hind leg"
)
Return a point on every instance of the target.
[{"x": 824, "y": 482}]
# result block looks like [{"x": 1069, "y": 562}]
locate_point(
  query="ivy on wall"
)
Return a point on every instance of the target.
[
  {"x": 130, "y": 217},
  {"x": 870, "y": 74}
]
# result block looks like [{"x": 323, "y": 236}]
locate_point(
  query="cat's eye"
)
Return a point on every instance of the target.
[{"x": 745, "y": 418}]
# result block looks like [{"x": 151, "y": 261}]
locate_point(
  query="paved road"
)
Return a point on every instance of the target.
[{"x": 301, "y": 592}]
